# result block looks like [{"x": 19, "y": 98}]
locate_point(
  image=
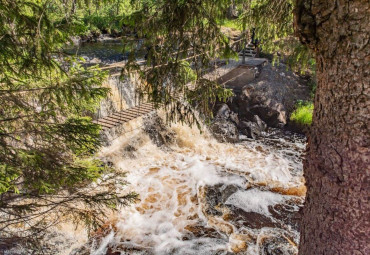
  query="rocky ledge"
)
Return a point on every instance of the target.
[{"x": 264, "y": 97}]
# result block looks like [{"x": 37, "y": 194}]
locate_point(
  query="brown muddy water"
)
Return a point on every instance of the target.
[{"x": 198, "y": 196}]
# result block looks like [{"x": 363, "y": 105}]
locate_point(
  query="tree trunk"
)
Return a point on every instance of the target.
[{"x": 337, "y": 210}]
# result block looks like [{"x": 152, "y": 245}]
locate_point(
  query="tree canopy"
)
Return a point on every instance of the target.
[{"x": 47, "y": 139}]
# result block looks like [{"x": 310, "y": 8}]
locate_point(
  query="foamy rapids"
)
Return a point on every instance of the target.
[{"x": 198, "y": 196}]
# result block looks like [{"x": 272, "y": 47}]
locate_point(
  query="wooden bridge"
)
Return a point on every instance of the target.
[
  {"x": 121, "y": 117},
  {"x": 118, "y": 118}
]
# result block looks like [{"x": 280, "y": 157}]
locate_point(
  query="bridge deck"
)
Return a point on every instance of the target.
[{"x": 118, "y": 118}]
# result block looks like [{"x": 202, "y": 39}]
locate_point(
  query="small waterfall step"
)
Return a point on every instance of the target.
[{"x": 118, "y": 118}]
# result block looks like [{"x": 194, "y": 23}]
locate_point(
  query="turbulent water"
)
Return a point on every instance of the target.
[{"x": 198, "y": 196}]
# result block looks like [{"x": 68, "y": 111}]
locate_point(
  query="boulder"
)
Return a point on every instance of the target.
[
  {"x": 225, "y": 130},
  {"x": 261, "y": 124},
  {"x": 225, "y": 125},
  {"x": 250, "y": 129},
  {"x": 271, "y": 96},
  {"x": 223, "y": 112},
  {"x": 158, "y": 131}
]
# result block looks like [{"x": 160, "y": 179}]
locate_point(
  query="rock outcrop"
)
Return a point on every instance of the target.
[
  {"x": 225, "y": 125},
  {"x": 158, "y": 132},
  {"x": 271, "y": 96}
]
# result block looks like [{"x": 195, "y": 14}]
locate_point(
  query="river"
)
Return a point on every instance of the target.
[{"x": 199, "y": 196}]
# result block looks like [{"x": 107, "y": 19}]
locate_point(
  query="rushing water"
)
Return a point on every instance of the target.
[{"x": 198, "y": 196}]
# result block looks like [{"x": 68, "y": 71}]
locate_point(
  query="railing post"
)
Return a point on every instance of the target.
[{"x": 244, "y": 45}]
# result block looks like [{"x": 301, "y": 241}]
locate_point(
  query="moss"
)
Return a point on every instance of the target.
[{"x": 303, "y": 113}]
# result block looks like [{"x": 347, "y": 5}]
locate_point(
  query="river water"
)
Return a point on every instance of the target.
[{"x": 199, "y": 196}]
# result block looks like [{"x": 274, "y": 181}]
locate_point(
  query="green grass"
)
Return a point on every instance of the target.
[
  {"x": 230, "y": 23},
  {"x": 303, "y": 114}
]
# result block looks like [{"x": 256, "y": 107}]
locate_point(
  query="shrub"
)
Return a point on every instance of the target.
[{"x": 303, "y": 113}]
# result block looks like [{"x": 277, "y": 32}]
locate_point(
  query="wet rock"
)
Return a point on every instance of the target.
[
  {"x": 241, "y": 218},
  {"x": 250, "y": 129},
  {"x": 234, "y": 118},
  {"x": 199, "y": 230},
  {"x": 278, "y": 244},
  {"x": 271, "y": 95},
  {"x": 224, "y": 126},
  {"x": 216, "y": 196},
  {"x": 261, "y": 124},
  {"x": 213, "y": 199},
  {"x": 227, "y": 191},
  {"x": 158, "y": 132},
  {"x": 287, "y": 214},
  {"x": 223, "y": 112},
  {"x": 225, "y": 130}
]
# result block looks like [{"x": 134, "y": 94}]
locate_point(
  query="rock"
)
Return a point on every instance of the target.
[
  {"x": 261, "y": 124},
  {"x": 217, "y": 195},
  {"x": 278, "y": 244},
  {"x": 250, "y": 219},
  {"x": 224, "y": 126},
  {"x": 158, "y": 131},
  {"x": 271, "y": 96},
  {"x": 234, "y": 118},
  {"x": 250, "y": 129},
  {"x": 227, "y": 191},
  {"x": 225, "y": 130},
  {"x": 223, "y": 112}
]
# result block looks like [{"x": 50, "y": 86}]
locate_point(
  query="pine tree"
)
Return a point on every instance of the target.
[{"x": 47, "y": 139}]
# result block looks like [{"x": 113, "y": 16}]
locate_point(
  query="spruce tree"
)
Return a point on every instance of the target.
[{"x": 47, "y": 139}]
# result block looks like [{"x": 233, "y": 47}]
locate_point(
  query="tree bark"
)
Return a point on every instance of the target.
[{"x": 337, "y": 212}]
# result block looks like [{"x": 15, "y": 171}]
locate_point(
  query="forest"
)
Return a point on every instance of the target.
[{"x": 184, "y": 127}]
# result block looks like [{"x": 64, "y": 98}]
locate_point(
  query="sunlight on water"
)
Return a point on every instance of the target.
[{"x": 199, "y": 196}]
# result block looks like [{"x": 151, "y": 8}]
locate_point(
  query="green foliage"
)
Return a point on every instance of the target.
[
  {"x": 231, "y": 23},
  {"x": 179, "y": 34},
  {"x": 273, "y": 23},
  {"x": 47, "y": 142},
  {"x": 303, "y": 113}
]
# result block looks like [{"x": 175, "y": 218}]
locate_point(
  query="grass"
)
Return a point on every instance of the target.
[
  {"x": 230, "y": 23},
  {"x": 303, "y": 113}
]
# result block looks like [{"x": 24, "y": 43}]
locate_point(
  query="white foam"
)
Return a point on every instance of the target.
[
  {"x": 103, "y": 245},
  {"x": 169, "y": 184},
  {"x": 255, "y": 200}
]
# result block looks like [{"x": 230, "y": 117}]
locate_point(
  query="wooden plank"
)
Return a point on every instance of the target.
[
  {"x": 122, "y": 117},
  {"x": 113, "y": 118},
  {"x": 129, "y": 113},
  {"x": 146, "y": 106},
  {"x": 142, "y": 111},
  {"x": 108, "y": 122},
  {"x": 104, "y": 125},
  {"x": 126, "y": 115}
]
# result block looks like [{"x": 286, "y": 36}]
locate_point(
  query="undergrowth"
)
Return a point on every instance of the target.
[{"x": 303, "y": 113}]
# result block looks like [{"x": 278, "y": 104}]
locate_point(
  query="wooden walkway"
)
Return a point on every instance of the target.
[{"x": 118, "y": 118}]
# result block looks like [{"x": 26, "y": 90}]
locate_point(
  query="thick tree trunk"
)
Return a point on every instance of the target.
[{"x": 337, "y": 211}]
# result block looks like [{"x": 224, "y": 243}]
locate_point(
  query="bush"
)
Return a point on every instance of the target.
[{"x": 303, "y": 113}]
